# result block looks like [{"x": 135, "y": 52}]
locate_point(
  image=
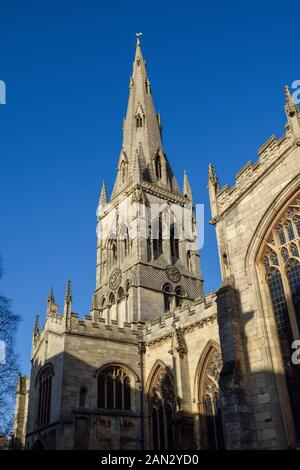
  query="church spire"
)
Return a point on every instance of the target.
[{"x": 142, "y": 132}]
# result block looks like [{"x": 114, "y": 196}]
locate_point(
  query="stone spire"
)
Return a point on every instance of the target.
[
  {"x": 213, "y": 188},
  {"x": 142, "y": 131},
  {"x": 292, "y": 112},
  {"x": 36, "y": 329},
  {"x": 187, "y": 190},
  {"x": 103, "y": 195},
  {"x": 68, "y": 303},
  {"x": 51, "y": 296}
]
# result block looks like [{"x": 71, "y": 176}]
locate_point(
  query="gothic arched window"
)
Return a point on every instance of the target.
[
  {"x": 162, "y": 405},
  {"x": 114, "y": 391},
  {"x": 179, "y": 296},
  {"x": 210, "y": 409},
  {"x": 44, "y": 384},
  {"x": 280, "y": 259},
  {"x": 158, "y": 236},
  {"x": 139, "y": 121},
  {"x": 168, "y": 296},
  {"x": 112, "y": 250},
  {"x": 124, "y": 239},
  {"x": 157, "y": 164},
  {"x": 174, "y": 242}
]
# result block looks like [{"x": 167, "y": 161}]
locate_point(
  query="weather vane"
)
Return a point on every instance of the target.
[{"x": 138, "y": 37}]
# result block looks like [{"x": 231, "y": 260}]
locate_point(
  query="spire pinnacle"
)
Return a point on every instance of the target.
[
  {"x": 292, "y": 113},
  {"x": 187, "y": 190},
  {"x": 51, "y": 296},
  {"x": 291, "y": 106},
  {"x": 212, "y": 176},
  {"x": 36, "y": 329},
  {"x": 68, "y": 296},
  {"x": 103, "y": 195}
]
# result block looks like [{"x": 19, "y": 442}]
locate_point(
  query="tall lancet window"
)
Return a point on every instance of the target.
[
  {"x": 139, "y": 121},
  {"x": 281, "y": 267},
  {"x": 157, "y": 164},
  {"x": 211, "y": 426},
  {"x": 174, "y": 241},
  {"x": 162, "y": 404},
  {"x": 112, "y": 249},
  {"x": 124, "y": 241},
  {"x": 44, "y": 384},
  {"x": 158, "y": 236}
]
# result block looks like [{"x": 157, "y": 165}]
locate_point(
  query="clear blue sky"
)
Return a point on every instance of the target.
[{"x": 217, "y": 71}]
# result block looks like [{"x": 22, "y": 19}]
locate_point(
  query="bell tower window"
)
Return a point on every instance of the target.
[
  {"x": 139, "y": 121},
  {"x": 157, "y": 167}
]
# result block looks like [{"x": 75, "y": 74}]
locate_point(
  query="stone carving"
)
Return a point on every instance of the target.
[
  {"x": 173, "y": 274},
  {"x": 115, "y": 279}
]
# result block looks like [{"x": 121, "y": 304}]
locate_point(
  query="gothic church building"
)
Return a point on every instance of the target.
[{"x": 157, "y": 363}]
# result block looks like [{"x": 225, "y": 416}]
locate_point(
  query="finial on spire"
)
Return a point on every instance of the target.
[{"x": 138, "y": 43}]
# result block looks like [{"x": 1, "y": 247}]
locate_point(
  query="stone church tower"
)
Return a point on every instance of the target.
[
  {"x": 142, "y": 367},
  {"x": 156, "y": 364}
]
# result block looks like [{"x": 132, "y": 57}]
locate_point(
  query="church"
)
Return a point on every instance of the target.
[{"x": 158, "y": 363}]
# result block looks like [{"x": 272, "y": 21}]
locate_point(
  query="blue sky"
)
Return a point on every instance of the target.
[{"x": 217, "y": 71}]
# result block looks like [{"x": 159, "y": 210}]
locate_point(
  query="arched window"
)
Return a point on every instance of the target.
[
  {"x": 174, "y": 242},
  {"x": 44, "y": 384},
  {"x": 112, "y": 250},
  {"x": 189, "y": 260},
  {"x": 211, "y": 432},
  {"x": 139, "y": 121},
  {"x": 158, "y": 236},
  {"x": 157, "y": 164},
  {"x": 282, "y": 277},
  {"x": 162, "y": 404},
  {"x": 114, "y": 391},
  {"x": 293, "y": 275},
  {"x": 179, "y": 296},
  {"x": 124, "y": 240},
  {"x": 168, "y": 296},
  {"x": 121, "y": 293}
]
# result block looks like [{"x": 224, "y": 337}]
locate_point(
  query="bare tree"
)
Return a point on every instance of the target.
[{"x": 8, "y": 363}]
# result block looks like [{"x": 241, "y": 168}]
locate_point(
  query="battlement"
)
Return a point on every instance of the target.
[
  {"x": 200, "y": 311},
  {"x": 268, "y": 153}
]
